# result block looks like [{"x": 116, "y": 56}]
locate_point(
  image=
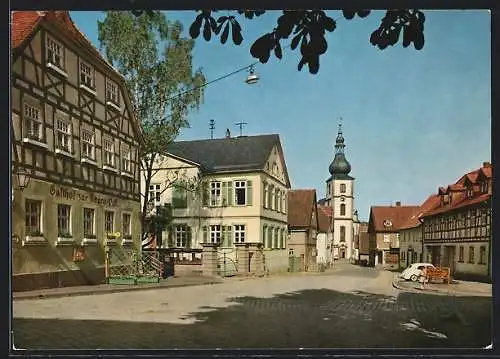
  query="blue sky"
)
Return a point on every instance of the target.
[{"x": 412, "y": 120}]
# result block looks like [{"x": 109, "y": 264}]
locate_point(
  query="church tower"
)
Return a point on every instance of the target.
[{"x": 340, "y": 195}]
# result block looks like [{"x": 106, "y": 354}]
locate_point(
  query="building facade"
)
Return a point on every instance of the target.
[
  {"x": 340, "y": 196},
  {"x": 324, "y": 242},
  {"x": 74, "y": 132},
  {"x": 457, "y": 233},
  {"x": 383, "y": 227},
  {"x": 241, "y": 196},
  {"x": 303, "y": 226}
]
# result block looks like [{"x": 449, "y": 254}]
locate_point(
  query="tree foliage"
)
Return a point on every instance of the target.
[
  {"x": 156, "y": 63},
  {"x": 307, "y": 29}
]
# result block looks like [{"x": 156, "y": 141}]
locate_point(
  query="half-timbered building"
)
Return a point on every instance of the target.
[
  {"x": 457, "y": 234},
  {"x": 75, "y": 133}
]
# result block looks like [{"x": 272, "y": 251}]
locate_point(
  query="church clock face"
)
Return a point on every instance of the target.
[{"x": 342, "y": 198}]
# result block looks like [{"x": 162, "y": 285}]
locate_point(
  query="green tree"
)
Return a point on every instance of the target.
[
  {"x": 307, "y": 29},
  {"x": 156, "y": 62}
]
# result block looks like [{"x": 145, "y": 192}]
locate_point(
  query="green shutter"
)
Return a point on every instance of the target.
[
  {"x": 228, "y": 237},
  {"x": 189, "y": 236},
  {"x": 230, "y": 193},
  {"x": 204, "y": 193},
  {"x": 249, "y": 193},
  {"x": 205, "y": 234},
  {"x": 224, "y": 193}
]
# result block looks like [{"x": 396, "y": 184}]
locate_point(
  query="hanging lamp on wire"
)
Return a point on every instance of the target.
[{"x": 252, "y": 77}]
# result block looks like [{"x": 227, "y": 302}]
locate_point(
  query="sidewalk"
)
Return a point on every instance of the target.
[
  {"x": 171, "y": 282},
  {"x": 456, "y": 288}
]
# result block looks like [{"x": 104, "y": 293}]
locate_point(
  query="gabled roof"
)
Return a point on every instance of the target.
[
  {"x": 460, "y": 202},
  {"x": 301, "y": 203},
  {"x": 324, "y": 218},
  {"x": 248, "y": 153},
  {"x": 430, "y": 203},
  {"x": 397, "y": 215}
]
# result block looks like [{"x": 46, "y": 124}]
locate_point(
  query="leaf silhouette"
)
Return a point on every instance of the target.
[
  {"x": 407, "y": 37},
  {"x": 207, "y": 31},
  {"x": 261, "y": 48},
  {"x": 349, "y": 14},
  {"x": 285, "y": 25},
  {"x": 301, "y": 64},
  {"x": 295, "y": 41},
  {"x": 225, "y": 34},
  {"x": 329, "y": 24},
  {"x": 194, "y": 29},
  {"x": 236, "y": 31},
  {"x": 313, "y": 62},
  {"x": 363, "y": 13},
  {"x": 277, "y": 51},
  {"x": 419, "y": 41}
]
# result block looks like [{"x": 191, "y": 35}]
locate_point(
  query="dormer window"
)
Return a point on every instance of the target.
[
  {"x": 470, "y": 192},
  {"x": 484, "y": 187},
  {"x": 87, "y": 76},
  {"x": 55, "y": 55},
  {"x": 112, "y": 94}
]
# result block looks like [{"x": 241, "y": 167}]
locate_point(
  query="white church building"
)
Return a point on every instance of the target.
[{"x": 340, "y": 196}]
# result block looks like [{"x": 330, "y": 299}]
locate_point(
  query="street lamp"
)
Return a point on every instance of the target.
[
  {"x": 252, "y": 78},
  {"x": 23, "y": 178}
]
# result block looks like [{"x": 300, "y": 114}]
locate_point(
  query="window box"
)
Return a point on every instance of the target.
[
  {"x": 33, "y": 140},
  {"x": 127, "y": 174},
  {"x": 109, "y": 168},
  {"x": 113, "y": 105},
  {"x": 34, "y": 239},
  {"x": 89, "y": 161},
  {"x": 64, "y": 152},
  {"x": 56, "y": 68},
  {"x": 127, "y": 241},
  {"x": 88, "y": 89},
  {"x": 65, "y": 240}
]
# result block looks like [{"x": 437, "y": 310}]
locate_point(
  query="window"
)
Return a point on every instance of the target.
[
  {"x": 154, "y": 193},
  {"x": 270, "y": 240},
  {"x": 387, "y": 238},
  {"x": 461, "y": 254},
  {"x": 271, "y": 201},
  {"x": 55, "y": 53},
  {"x": 32, "y": 122},
  {"x": 112, "y": 92},
  {"x": 239, "y": 233},
  {"x": 33, "y": 217},
  {"x": 181, "y": 236},
  {"x": 179, "y": 197},
  {"x": 63, "y": 220},
  {"x": 276, "y": 238},
  {"x": 342, "y": 188},
  {"x": 240, "y": 192},
  {"x": 88, "y": 222},
  {"x": 109, "y": 152},
  {"x": 215, "y": 233},
  {"x": 109, "y": 222},
  {"x": 342, "y": 209},
  {"x": 283, "y": 244},
  {"x": 276, "y": 194},
  {"x": 284, "y": 202},
  {"x": 126, "y": 224},
  {"x": 88, "y": 144},
  {"x": 63, "y": 135},
  {"x": 126, "y": 163},
  {"x": 266, "y": 194},
  {"x": 215, "y": 194},
  {"x": 484, "y": 187},
  {"x": 328, "y": 186},
  {"x": 403, "y": 256},
  {"x": 279, "y": 201},
  {"x": 471, "y": 254},
  {"x": 342, "y": 233},
  {"x": 264, "y": 236},
  {"x": 86, "y": 75},
  {"x": 482, "y": 255}
]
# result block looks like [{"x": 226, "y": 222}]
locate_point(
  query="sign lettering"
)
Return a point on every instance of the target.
[{"x": 73, "y": 195}]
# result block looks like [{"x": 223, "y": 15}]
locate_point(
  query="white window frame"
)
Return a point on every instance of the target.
[
  {"x": 87, "y": 75},
  {"x": 86, "y": 222},
  {"x": 272, "y": 192},
  {"x": 126, "y": 225},
  {"x": 266, "y": 194},
  {"x": 108, "y": 152},
  {"x": 239, "y": 233},
  {"x": 55, "y": 53},
  {"x": 154, "y": 193},
  {"x": 215, "y": 193},
  {"x": 64, "y": 134},
  {"x": 181, "y": 236},
  {"x": 239, "y": 186},
  {"x": 215, "y": 233},
  {"x": 112, "y": 92},
  {"x": 63, "y": 219},
  {"x": 106, "y": 222},
  {"x": 87, "y": 141},
  {"x": 33, "y": 212},
  {"x": 126, "y": 160},
  {"x": 33, "y": 121}
]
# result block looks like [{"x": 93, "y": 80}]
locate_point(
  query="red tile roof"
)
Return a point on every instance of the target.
[
  {"x": 460, "y": 203},
  {"x": 324, "y": 218},
  {"x": 23, "y": 23},
  {"x": 396, "y": 214},
  {"x": 301, "y": 203},
  {"x": 430, "y": 203}
]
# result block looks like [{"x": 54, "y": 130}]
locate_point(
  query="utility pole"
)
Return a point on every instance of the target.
[
  {"x": 241, "y": 124},
  {"x": 212, "y": 128}
]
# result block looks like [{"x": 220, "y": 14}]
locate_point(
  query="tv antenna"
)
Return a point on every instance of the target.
[
  {"x": 212, "y": 128},
  {"x": 241, "y": 124}
]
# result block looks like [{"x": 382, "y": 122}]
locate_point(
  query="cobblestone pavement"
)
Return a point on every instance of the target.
[{"x": 352, "y": 307}]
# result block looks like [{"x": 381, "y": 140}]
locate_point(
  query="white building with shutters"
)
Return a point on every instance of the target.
[{"x": 241, "y": 196}]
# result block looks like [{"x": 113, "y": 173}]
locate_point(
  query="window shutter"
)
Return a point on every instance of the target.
[
  {"x": 189, "y": 236},
  {"x": 230, "y": 193},
  {"x": 205, "y": 234},
  {"x": 229, "y": 237},
  {"x": 204, "y": 194},
  {"x": 224, "y": 193},
  {"x": 170, "y": 239},
  {"x": 270, "y": 237},
  {"x": 264, "y": 233},
  {"x": 249, "y": 193}
]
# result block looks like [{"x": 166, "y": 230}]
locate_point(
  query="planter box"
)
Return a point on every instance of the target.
[
  {"x": 148, "y": 279},
  {"x": 122, "y": 280}
]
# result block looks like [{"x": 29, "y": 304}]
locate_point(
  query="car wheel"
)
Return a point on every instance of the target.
[{"x": 413, "y": 278}]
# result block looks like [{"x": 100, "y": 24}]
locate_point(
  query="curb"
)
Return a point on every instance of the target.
[
  {"x": 108, "y": 291},
  {"x": 438, "y": 292}
]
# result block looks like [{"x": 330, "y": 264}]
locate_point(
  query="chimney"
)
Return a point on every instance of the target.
[
  {"x": 228, "y": 134},
  {"x": 398, "y": 204},
  {"x": 486, "y": 164}
]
